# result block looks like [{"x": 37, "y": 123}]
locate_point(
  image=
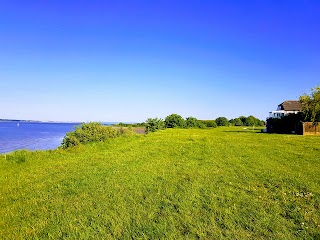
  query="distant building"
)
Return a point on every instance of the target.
[{"x": 285, "y": 108}]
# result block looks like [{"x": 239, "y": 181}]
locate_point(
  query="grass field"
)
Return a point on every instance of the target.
[{"x": 174, "y": 184}]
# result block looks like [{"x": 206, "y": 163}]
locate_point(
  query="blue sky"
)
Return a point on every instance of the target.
[{"x": 130, "y": 60}]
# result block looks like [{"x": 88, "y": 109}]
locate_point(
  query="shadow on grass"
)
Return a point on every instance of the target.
[
  {"x": 248, "y": 131},
  {"x": 258, "y": 132}
]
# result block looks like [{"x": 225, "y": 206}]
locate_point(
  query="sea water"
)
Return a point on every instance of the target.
[{"x": 16, "y": 135}]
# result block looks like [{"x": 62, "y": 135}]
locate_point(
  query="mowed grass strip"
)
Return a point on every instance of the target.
[{"x": 173, "y": 184}]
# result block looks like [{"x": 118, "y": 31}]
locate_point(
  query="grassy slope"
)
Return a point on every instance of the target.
[{"x": 170, "y": 184}]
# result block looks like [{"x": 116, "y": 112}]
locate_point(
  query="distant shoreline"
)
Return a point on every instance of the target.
[
  {"x": 38, "y": 121},
  {"x": 33, "y": 121}
]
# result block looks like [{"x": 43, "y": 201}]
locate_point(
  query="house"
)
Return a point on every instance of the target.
[
  {"x": 277, "y": 124},
  {"x": 285, "y": 108}
]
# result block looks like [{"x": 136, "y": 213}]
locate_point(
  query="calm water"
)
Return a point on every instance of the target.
[{"x": 32, "y": 136}]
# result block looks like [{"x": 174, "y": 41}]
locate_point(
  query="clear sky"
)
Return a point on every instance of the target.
[{"x": 130, "y": 60}]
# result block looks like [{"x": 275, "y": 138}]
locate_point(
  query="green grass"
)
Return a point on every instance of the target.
[{"x": 174, "y": 184}]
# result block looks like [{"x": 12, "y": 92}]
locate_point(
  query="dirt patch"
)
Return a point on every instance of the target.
[{"x": 139, "y": 130}]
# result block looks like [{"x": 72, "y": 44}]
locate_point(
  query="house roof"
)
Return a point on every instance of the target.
[{"x": 290, "y": 105}]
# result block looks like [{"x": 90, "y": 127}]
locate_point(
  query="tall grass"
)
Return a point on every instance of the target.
[{"x": 173, "y": 184}]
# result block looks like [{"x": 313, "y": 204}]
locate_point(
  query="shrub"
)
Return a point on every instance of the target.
[
  {"x": 125, "y": 131},
  {"x": 154, "y": 124},
  {"x": 89, "y": 132},
  {"x": 70, "y": 140},
  {"x": 129, "y": 124},
  {"x": 208, "y": 123},
  {"x": 174, "y": 120},
  {"x": 191, "y": 122},
  {"x": 201, "y": 125}
]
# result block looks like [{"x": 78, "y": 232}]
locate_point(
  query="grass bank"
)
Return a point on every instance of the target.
[{"x": 173, "y": 184}]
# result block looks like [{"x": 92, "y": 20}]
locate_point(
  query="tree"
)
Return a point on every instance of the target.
[
  {"x": 236, "y": 122},
  {"x": 251, "y": 121},
  {"x": 192, "y": 122},
  {"x": 222, "y": 121},
  {"x": 174, "y": 120},
  {"x": 262, "y": 123},
  {"x": 311, "y": 105},
  {"x": 243, "y": 120}
]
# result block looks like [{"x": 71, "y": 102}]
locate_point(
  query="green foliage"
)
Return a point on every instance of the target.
[
  {"x": 221, "y": 183},
  {"x": 154, "y": 124},
  {"x": 251, "y": 121},
  {"x": 191, "y": 122},
  {"x": 139, "y": 124},
  {"x": 70, "y": 140},
  {"x": 236, "y": 122},
  {"x": 174, "y": 121},
  {"x": 222, "y": 121},
  {"x": 121, "y": 124},
  {"x": 262, "y": 123},
  {"x": 243, "y": 120},
  {"x": 201, "y": 125},
  {"x": 311, "y": 105},
  {"x": 208, "y": 123},
  {"x": 90, "y": 132},
  {"x": 125, "y": 131},
  {"x": 246, "y": 121}
]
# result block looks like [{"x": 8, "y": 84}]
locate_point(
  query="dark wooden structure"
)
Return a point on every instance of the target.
[{"x": 310, "y": 128}]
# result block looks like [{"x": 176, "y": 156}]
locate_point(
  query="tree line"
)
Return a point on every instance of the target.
[{"x": 176, "y": 121}]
